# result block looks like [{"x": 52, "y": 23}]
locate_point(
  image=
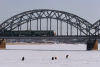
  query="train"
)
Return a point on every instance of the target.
[{"x": 28, "y": 33}]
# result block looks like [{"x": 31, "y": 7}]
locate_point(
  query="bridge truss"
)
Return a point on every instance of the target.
[{"x": 81, "y": 25}]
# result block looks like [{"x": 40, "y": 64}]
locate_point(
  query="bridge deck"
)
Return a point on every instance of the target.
[{"x": 49, "y": 37}]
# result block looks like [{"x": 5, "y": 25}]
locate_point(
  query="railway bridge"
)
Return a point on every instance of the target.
[{"x": 66, "y": 25}]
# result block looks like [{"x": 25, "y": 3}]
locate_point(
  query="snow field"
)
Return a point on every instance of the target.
[{"x": 40, "y": 56}]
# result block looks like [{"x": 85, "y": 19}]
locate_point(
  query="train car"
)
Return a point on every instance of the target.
[
  {"x": 22, "y": 33},
  {"x": 44, "y": 33},
  {"x": 33, "y": 33},
  {"x": 7, "y": 33}
]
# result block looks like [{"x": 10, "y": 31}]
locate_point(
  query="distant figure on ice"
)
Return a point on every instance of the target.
[
  {"x": 55, "y": 57},
  {"x": 52, "y": 58},
  {"x": 67, "y": 56},
  {"x": 23, "y": 58}
]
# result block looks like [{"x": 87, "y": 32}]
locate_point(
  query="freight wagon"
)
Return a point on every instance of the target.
[{"x": 28, "y": 33}]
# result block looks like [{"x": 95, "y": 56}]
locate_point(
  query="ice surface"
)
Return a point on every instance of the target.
[{"x": 40, "y": 56}]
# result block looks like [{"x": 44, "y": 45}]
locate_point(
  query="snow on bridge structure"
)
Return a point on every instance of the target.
[{"x": 65, "y": 24}]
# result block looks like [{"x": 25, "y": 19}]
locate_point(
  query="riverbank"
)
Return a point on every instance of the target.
[{"x": 28, "y": 43}]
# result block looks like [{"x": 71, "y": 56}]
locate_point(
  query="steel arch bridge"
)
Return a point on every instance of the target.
[{"x": 70, "y": 19}]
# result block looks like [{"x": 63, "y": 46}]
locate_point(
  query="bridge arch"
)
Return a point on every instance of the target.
[
  {"x": 28, "y": 16},
  {"x": 96, "y": 27}
]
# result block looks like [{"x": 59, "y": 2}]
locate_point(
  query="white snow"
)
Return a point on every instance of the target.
[{"x": 40, "y": 56}]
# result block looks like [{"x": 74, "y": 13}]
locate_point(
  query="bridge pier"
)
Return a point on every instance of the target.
[
  {"x": 2, "y": 44},
  {"x": 92, "y": 45}
]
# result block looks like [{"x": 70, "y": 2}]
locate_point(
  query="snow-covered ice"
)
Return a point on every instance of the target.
[{"x": 40, "y": 56}]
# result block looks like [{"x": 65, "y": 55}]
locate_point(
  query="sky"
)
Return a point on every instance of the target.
[{"x": 86, "y": 9}]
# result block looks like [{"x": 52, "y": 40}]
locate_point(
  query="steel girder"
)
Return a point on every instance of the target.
[
  {"x": 24, "y": 17},
  {"x": 96, "y": 26}
]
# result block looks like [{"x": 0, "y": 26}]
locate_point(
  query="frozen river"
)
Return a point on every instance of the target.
[{"x": 40, "y": 56}]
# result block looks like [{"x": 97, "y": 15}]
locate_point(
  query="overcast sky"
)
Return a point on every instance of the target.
[{"x": 86, "y": 9}]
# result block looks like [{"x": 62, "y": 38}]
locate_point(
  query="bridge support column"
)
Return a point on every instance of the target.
[
  {"x": 2, "y": 44},
  {"x": 92, "y": 45}
]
